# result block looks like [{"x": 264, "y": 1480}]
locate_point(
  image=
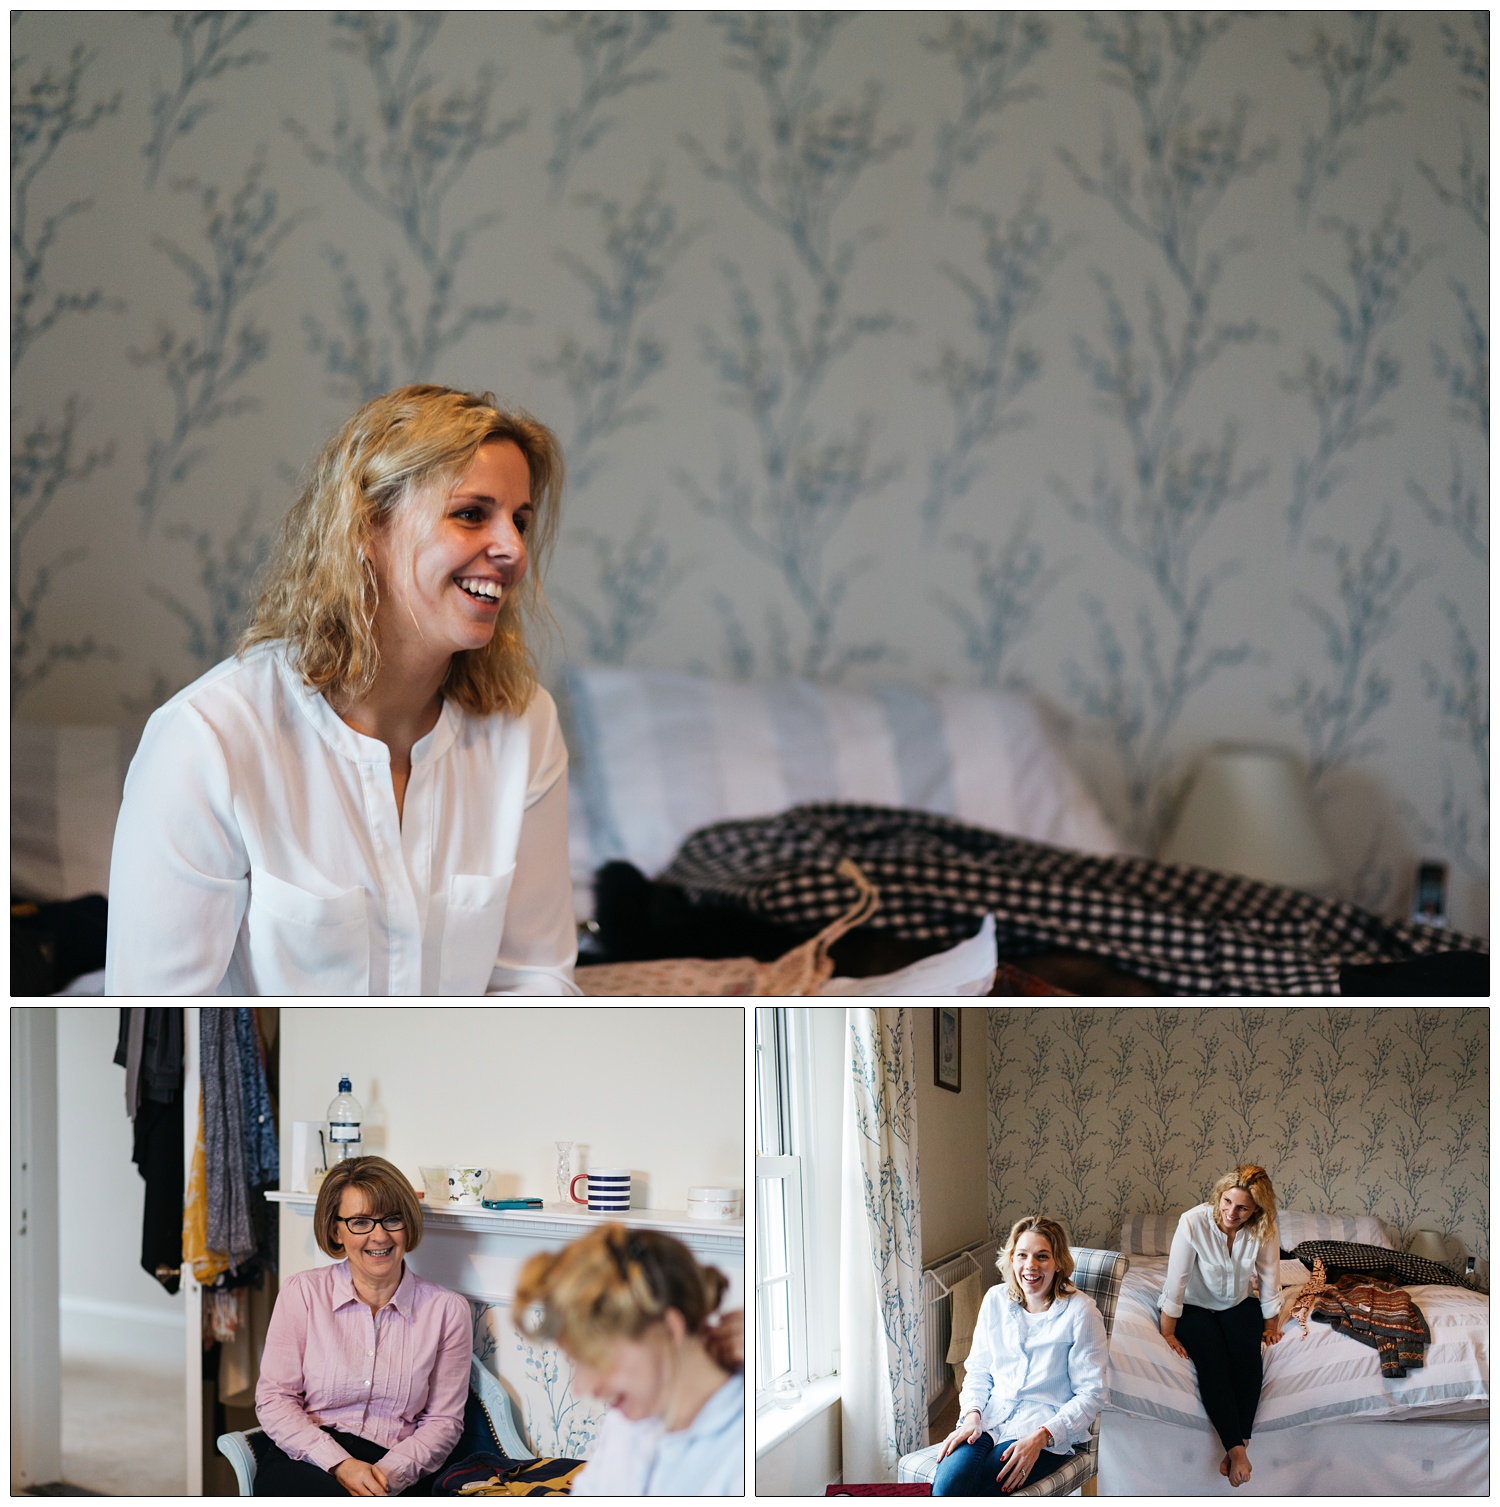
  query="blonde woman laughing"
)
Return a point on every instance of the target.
[{"x": 1035, "y": 1377}]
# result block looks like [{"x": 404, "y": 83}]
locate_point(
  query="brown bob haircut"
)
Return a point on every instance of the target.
[
  {"x": 613, "y": 1284},
  {"x": 1056, "y": 1237},
  {"x": 319, "y": 592},
  {"x": 1256, "y": 1183},
  {"x": 386, "y": 1192}
]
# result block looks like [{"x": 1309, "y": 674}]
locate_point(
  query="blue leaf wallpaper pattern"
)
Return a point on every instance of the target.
[
  {"x": 1098, "y": 1113},
  {"x": 1138, "y": 360},
  {"x": 540, "y": 1378}
]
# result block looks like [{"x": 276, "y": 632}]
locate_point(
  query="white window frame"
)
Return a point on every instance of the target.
[
  {"x": 805, "y": 1099},
  {"x": 786, "y": 1171}
]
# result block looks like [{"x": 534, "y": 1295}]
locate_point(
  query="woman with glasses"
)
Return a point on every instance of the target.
[{"x": 366, "y": 1366}]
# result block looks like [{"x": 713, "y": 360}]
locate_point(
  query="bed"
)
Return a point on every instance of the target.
[
  {"x": 974, "y": 789},
  {"x": 1328, "y": 1422},
  {"x": 654, "y": 756}
]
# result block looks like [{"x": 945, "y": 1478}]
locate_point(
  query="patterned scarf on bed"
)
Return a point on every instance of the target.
[{"x": 1188, "y": 930}]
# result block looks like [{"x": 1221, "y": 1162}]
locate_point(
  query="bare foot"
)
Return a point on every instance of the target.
[
  {"x": 1224, "y": 1466},
  {"x": 1237, "y": 1465}
]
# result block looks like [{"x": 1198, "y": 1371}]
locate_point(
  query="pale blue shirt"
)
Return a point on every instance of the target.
[
  {"x": 1206, "y": 1271},
  {"x": 1031, "y": 1371},
  {"x": 640, "y": 1459}
]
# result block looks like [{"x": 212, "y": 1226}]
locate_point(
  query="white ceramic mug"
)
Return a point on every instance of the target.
[
  {"x": 609, "y": 1190},
  {"x": 466, "y": 1184}
]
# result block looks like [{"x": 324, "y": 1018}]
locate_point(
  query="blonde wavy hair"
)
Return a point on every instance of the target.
[
  {"x": 320, "y": 591},
  {"x": 1056, "y": 1237},
  {"x": 1256, "y": 1182},
  {"x": 612, "y": 1284}
]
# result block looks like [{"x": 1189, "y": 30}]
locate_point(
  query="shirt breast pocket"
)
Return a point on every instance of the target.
[
  {"x": 302, "y": 943},
  {"x": 472, "y": 930}
]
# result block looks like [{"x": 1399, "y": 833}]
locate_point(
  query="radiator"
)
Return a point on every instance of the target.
[{"x": 938, "y": 1281}]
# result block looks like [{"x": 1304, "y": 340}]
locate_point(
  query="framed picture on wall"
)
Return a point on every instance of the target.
[{"x": 947, "y": 1049}]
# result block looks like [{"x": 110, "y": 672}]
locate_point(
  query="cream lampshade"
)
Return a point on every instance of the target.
[
  {"x": 1430, "y": 1244},
  {"x": 1248, "y": 810}
]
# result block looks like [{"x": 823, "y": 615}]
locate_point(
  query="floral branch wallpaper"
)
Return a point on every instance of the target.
[
  {"x": 554, "y": 1422},
  {"x": 1098, "y": 1113},
  {"x": 1141, "y": 361}
]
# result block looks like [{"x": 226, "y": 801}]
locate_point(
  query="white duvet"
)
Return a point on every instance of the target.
[{"x": 1317, "y": 1375}]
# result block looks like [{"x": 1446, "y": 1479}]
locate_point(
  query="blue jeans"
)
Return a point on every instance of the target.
[{"x": 973, "y": 1470}]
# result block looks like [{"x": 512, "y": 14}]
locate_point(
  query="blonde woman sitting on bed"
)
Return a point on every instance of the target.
[
  {"x": 1208, "y": 1314},
  {"x": 1035, "y": 1375},
  {"x": 631, "y": 1309},
  {"x": 371, "y": 796}
]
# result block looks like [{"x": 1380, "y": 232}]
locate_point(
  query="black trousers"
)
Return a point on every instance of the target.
[
  {"x": 1224, "y": 1345},
  {"x": 278, "y": 1475}
]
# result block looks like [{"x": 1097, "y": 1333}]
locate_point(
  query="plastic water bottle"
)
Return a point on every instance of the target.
[{"x": 344, "y": 1138}]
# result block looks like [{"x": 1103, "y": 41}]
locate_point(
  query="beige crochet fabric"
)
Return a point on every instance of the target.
[{"x": 800, "y": 972}]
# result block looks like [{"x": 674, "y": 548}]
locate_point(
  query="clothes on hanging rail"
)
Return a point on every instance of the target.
[{"x": 150, "y": 1050}]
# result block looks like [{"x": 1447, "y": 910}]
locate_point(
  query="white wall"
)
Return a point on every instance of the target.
[
  {"x": 660, "y": 1090},
  {"x": 110, "y": 1306},
  {"x": 807, "y": 1460},
  {"x": 951, "y": 1131}
]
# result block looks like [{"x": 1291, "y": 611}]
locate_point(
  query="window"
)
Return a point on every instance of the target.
[{"x": 780, "y": 1286}]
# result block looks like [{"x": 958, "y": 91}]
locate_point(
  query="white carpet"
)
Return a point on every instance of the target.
[{"x": 123, "y": 1428}]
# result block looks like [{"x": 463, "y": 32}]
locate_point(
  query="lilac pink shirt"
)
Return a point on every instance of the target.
[{"x": 398, "y": 1378}]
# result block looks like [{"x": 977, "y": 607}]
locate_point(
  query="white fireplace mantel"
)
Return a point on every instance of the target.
[{"x": 479, "y": 1252}]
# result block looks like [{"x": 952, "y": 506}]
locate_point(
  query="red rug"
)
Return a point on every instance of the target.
[{"x": 882, "y": 1489}]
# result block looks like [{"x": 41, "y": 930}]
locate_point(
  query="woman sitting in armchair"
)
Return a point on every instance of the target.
[
  {"x": 1035, "y": 1375},
  {"x": 366, "y": 1365}
]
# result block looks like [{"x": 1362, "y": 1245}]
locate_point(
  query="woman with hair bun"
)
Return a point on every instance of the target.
[
  {"x": 371, "y": 796},
  {"x": 1208, "y": 1312},
  {"x": 366, "y": 1365},
  {"x": 631, "y": 1309},
  {"x": 1034, "y": 1379}
]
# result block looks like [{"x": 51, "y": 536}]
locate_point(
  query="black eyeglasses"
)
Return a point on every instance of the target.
[{"x": 362, "y": 1224}]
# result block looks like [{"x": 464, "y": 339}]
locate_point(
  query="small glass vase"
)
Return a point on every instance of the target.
[{"x": 564, "y": 1169}]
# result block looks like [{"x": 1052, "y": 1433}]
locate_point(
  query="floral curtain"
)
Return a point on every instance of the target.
[{"x": 882, "y": 1361}]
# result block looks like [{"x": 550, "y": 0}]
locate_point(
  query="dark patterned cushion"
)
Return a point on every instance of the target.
[
  {"x": 490, "y": 1475},
  {"x": 1340, "y": 1257}
]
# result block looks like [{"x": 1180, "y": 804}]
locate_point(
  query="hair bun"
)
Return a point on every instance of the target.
[{"x": 715, "y": 1285}]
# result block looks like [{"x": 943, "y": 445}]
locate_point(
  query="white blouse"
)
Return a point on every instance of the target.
[
  {"x": 634, "y": 1458},
  {"x": 1204, "y": 1270},
  {"x": 259, "y": 851},
  {"x": 1031, "y": 1371}
]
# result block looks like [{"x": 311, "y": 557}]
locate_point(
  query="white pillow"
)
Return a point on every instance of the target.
[
  {"x": 1293, "y": 1273},
  {"x": 1293, "y": 1226},
  {"x": 65, "y": 787},
  {"x": 660, "y": 753}
]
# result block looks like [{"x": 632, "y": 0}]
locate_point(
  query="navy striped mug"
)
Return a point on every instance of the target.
[{"x": 609, "y": 1190}]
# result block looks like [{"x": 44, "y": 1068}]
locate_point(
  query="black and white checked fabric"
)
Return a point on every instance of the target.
[
  {"x": 1341, "y": 1257},
  {"x": 1188, "y": 930}
]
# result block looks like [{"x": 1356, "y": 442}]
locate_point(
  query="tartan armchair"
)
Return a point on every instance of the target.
[{"x": 1099, "y": 1274}]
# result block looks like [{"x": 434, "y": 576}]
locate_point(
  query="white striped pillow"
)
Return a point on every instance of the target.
[
  {"x": 1148, "y": 1234},
  {"x": 1293, "y": 1226},
  {"x": 660, "y": 753},
  {"x": 66, "y": 781}
]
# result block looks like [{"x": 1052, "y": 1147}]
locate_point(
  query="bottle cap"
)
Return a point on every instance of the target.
[{"x": 345, "y": 1087}]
